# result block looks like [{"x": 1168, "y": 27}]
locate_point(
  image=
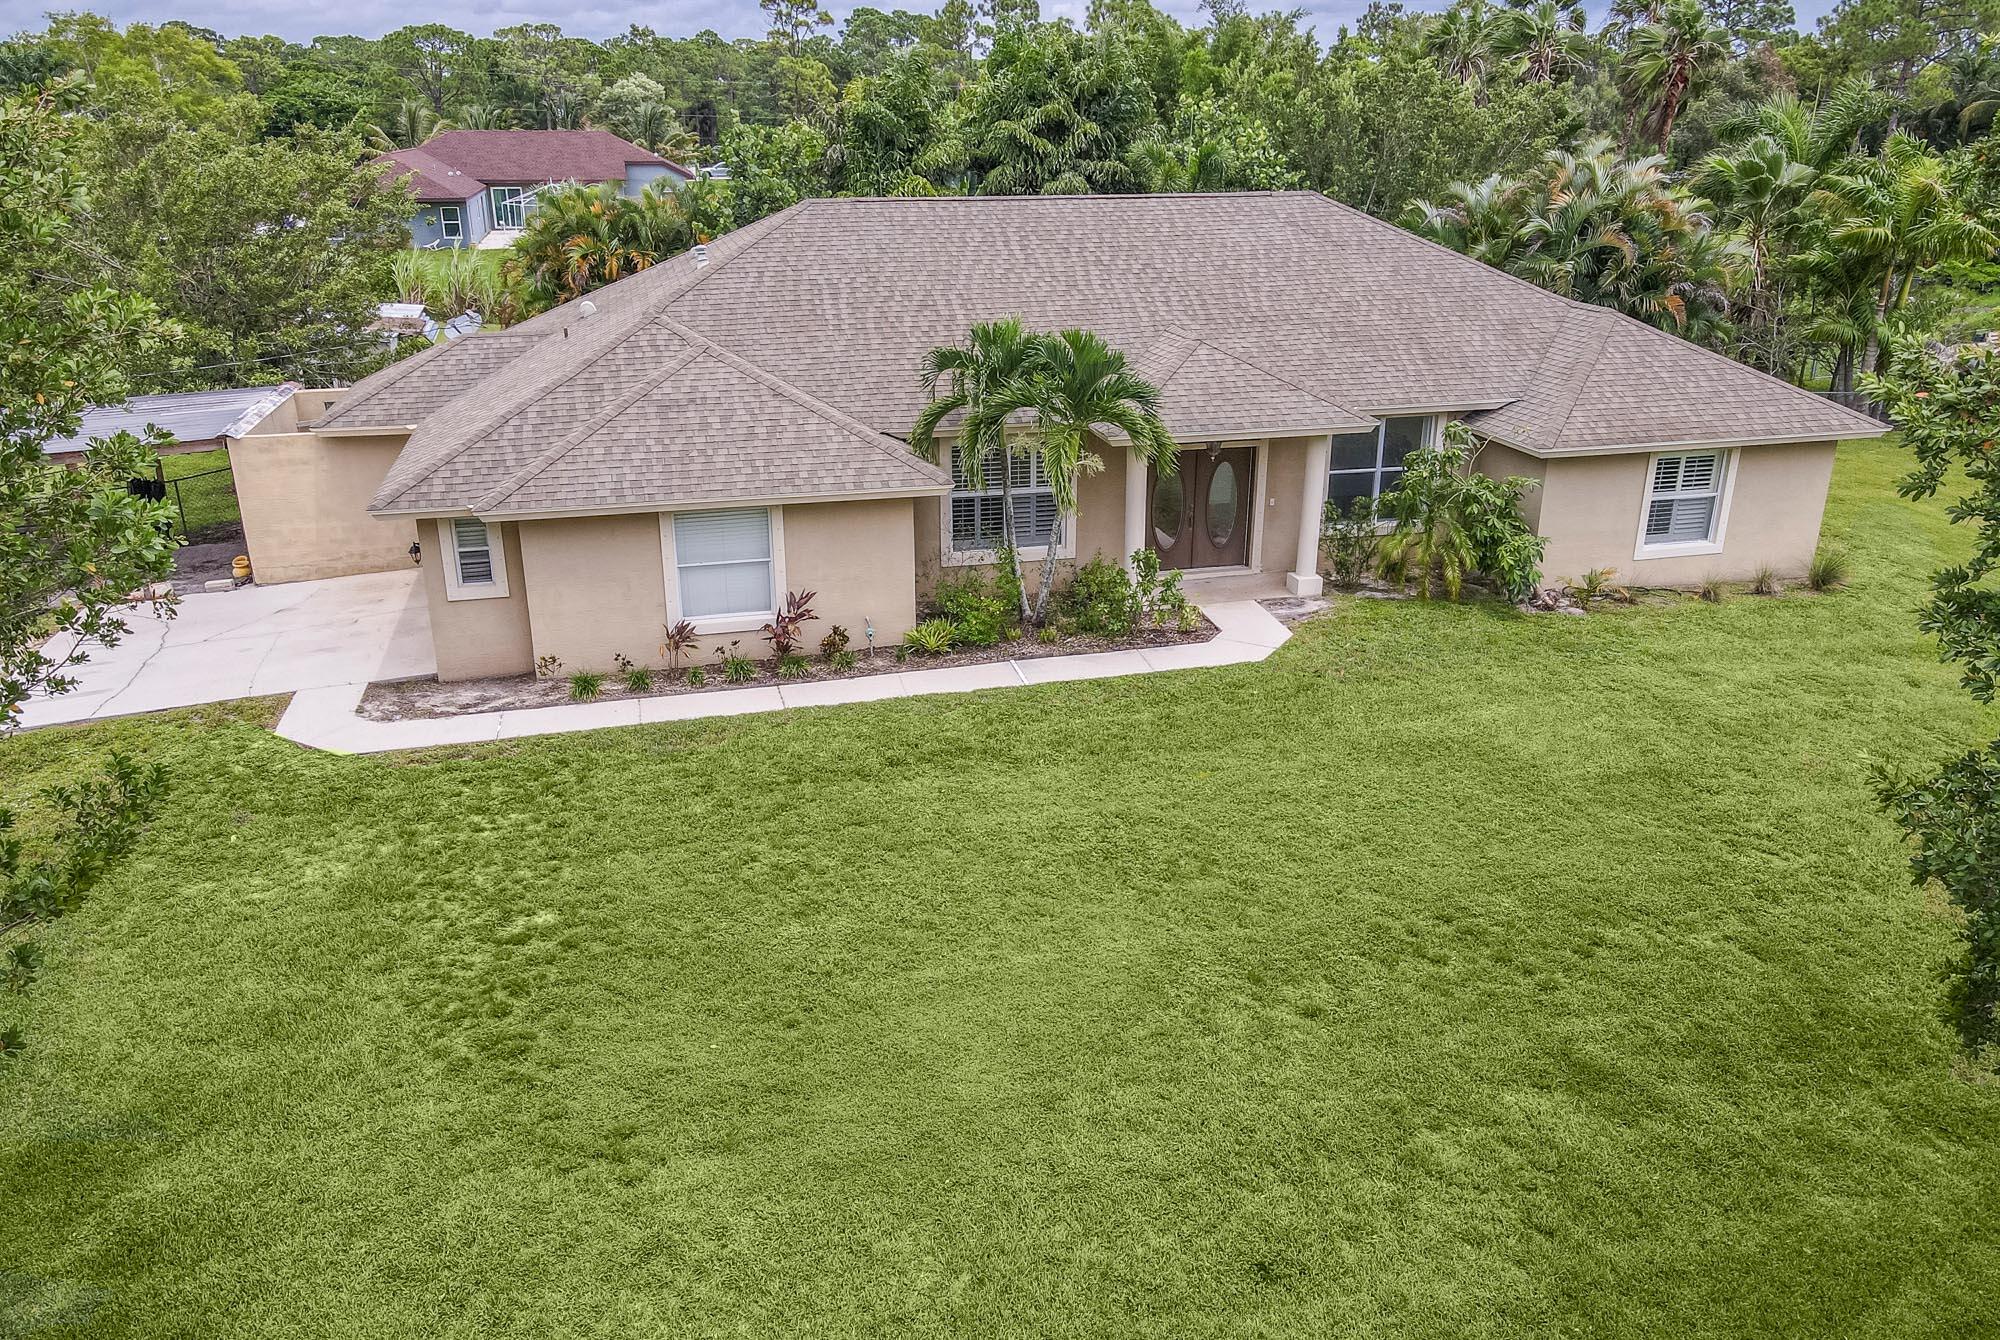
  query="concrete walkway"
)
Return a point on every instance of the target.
[
  {"x": 250, "y": 642},
  {"x": 324, "y": 717}
]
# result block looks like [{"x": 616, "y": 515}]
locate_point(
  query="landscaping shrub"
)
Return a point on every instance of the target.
[
  {"x": 1452, "y": 521},
  {"x": 1350, "y": 541},
  {"x": 1765, "y": 583},
  {"x": 932, "y": 637},
  {"x": 1098, "y": 599},
  {"x": 784, "y": 630},
  {"x": 585, "y": 685},
  {"x": 834, "y": 644},
  {"x": 976, "y": 608},
  {"x": 1592, "y": 587}
]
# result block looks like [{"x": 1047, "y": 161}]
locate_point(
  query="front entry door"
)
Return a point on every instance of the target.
[{"x": 1198, "y": 516}]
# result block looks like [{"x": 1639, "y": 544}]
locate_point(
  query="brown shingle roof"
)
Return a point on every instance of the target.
[
  {"x": 1281, "y": 306},
  {"x": 455, "y": 164}
]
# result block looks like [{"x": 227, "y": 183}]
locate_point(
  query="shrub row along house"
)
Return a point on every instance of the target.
[
  {"x": 693, "y": 441},
  {"x": 476, "y": 188}
]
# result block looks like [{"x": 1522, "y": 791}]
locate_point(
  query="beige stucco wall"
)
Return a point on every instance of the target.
[
  {"x": 586, "y": 589},
  {"x": 305, "y": 504},
  {"x": 595, "y": 588},
  {"x": 1502, "y": 462},
  {"x": 477, "y": 638},
  {"x": 1591, "y": 505},
  {"x": 1282, "y": 491},
  {"x": 857, "y": 557}
]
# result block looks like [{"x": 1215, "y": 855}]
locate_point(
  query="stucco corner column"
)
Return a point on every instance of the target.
[
  {"x": 1304, "y": 578},
  {"x": 1135, "y": 507}
]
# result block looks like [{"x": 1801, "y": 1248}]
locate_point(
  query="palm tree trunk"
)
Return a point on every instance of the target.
[
  {"x": 1013, "y": 560},
  {"x": 1049, "y": 567}
]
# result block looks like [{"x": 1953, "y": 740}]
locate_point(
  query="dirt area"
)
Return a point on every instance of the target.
[
  {"x": 419, "y": 699},
  {"x": 206, "y": 562}
]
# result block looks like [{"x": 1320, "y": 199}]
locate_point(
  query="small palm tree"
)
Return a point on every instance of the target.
[
  {"x": 1465, "y": 40},
  {"x": 1076, "y": 384},
  {"x": 980, "y": 380},
  {"x": 409, "y": 123}
]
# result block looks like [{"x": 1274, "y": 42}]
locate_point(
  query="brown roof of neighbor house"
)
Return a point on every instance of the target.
[
  {"x": 455, "y": 164},
  {"x": 1257, "y": 312}
]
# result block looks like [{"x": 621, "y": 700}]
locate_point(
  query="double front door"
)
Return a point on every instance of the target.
[{"x": 1198, "y": 515}]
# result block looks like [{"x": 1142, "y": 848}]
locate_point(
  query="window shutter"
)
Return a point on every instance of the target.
[{"x": 475, "y": 551}]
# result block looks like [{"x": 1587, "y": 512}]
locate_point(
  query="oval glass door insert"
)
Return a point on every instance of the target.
[
  {"x": 1167, "y": 502},
  {"x": 1222, "y": 504}
]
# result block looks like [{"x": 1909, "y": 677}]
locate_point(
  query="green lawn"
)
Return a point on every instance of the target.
[
  {"x": 1451, "y": 974},
  {"x": 210, "y": 501}
]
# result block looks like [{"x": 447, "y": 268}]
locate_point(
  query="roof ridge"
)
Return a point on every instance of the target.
[
  {"x": 1281, "y": 379},
  {"x": 838, "y": 417},
  {"x": 1798, "y": 392},
  {"x": 537, "y": 388},
  {"x": 1189, "y": 343},
  {"x": 1579, "y": 377},
  {"x": 577, "y": 436}
]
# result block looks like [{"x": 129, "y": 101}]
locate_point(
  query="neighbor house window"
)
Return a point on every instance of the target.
[
  {"x": 1367, "y": 465},
  {"x": 1684, "y": 499},
  {"x": 976, "y": 513},
  {"x": 509, "y": 205},
  {"x": 722, "y": 563},
  {"x": 451, "y": 224},
  {"x": 474, "y": 565}
]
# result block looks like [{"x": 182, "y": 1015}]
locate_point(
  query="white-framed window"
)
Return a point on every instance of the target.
[
  {"x": 725, "y": 566},
  {"x": 973, "y": 521},
  {"x": 509, "y": 204},
  {"x": 1686, "y": 503},
  {"x": 451, "y": 224},
  {"x": 475, "y": 561},
  {"x": 1368, "y": 464}
]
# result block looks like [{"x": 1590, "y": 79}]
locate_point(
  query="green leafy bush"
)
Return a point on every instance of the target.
[
  {"x": 738, "y": 669},
  {"x": 585, "y": 685},
  {"x": 842, "y": 659},
  {"x": 696, "y": 677},
  {"x": 1098, "y": 599},
  {"x": 1451, "y": 521},
  {"x": 976, "y": 608},
  {"x": 793, "y": 667},
  {"x": 1350, "y": 541}
]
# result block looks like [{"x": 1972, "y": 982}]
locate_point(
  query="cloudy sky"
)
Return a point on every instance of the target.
[{"x": 585, "y": 18}]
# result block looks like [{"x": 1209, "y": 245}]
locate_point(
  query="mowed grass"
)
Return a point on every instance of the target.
[{"x": 1453, "y": 973}]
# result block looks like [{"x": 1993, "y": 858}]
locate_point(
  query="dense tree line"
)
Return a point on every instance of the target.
[{"x": 1699, "y": 164}]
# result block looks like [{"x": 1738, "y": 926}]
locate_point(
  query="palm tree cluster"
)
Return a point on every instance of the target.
[
  {"x": 1601, "y": 227},
  {"x": 580, "y": 238},
  {"x": 1015, "y": 393},
  {"x": 1792, "y": 246}
]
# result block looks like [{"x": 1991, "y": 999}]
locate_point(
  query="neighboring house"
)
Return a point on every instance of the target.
[
  {"x": 477, "y": 187},
  {"x": 694, "y": 441},
  {"x": 194, "y": 420},
  {"x": 397, "y": 319}
]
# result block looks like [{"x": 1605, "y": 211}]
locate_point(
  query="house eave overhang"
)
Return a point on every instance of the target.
[
  {"x": 370, "y": 430},
  {"x": 668, "y": 505},
  {"x": 1682, "y": 444}
]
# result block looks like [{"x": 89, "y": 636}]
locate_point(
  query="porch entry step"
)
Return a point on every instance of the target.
[{"x": 328, "y": 718}]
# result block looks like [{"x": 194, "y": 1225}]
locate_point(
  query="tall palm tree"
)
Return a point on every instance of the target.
[
  {"x": 1545, "y": 39},
  {"x": 1464, "y": 40},
  {"x": 1076, "y": 384},
  {"x": 981, "y": 380},
  {"x": 1759, "y": 187},
  {"x": 1669, "y": 57},
  {"x": 1899, "y": 214}
]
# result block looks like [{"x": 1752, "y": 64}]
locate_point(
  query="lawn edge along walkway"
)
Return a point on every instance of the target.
[{"x": 327, "y": 719}]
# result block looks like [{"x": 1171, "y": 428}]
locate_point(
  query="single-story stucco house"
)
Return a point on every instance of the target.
[
  {"x": 696, "y": 440},
  {"x": 476, "y": 188}
]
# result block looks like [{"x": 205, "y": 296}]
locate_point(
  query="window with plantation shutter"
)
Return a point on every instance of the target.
[
  {"x": 473, "y": 550},
  {"x": 722, "y": 561},
  {"x": 1684, "y": 499},
  {"x": 976, "y": 513}
]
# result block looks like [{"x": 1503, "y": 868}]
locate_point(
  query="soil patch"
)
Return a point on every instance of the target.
[{"x": 426, "y": 698}]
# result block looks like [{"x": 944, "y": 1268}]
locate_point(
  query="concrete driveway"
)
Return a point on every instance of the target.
[{"x": 253, "y": 641}]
